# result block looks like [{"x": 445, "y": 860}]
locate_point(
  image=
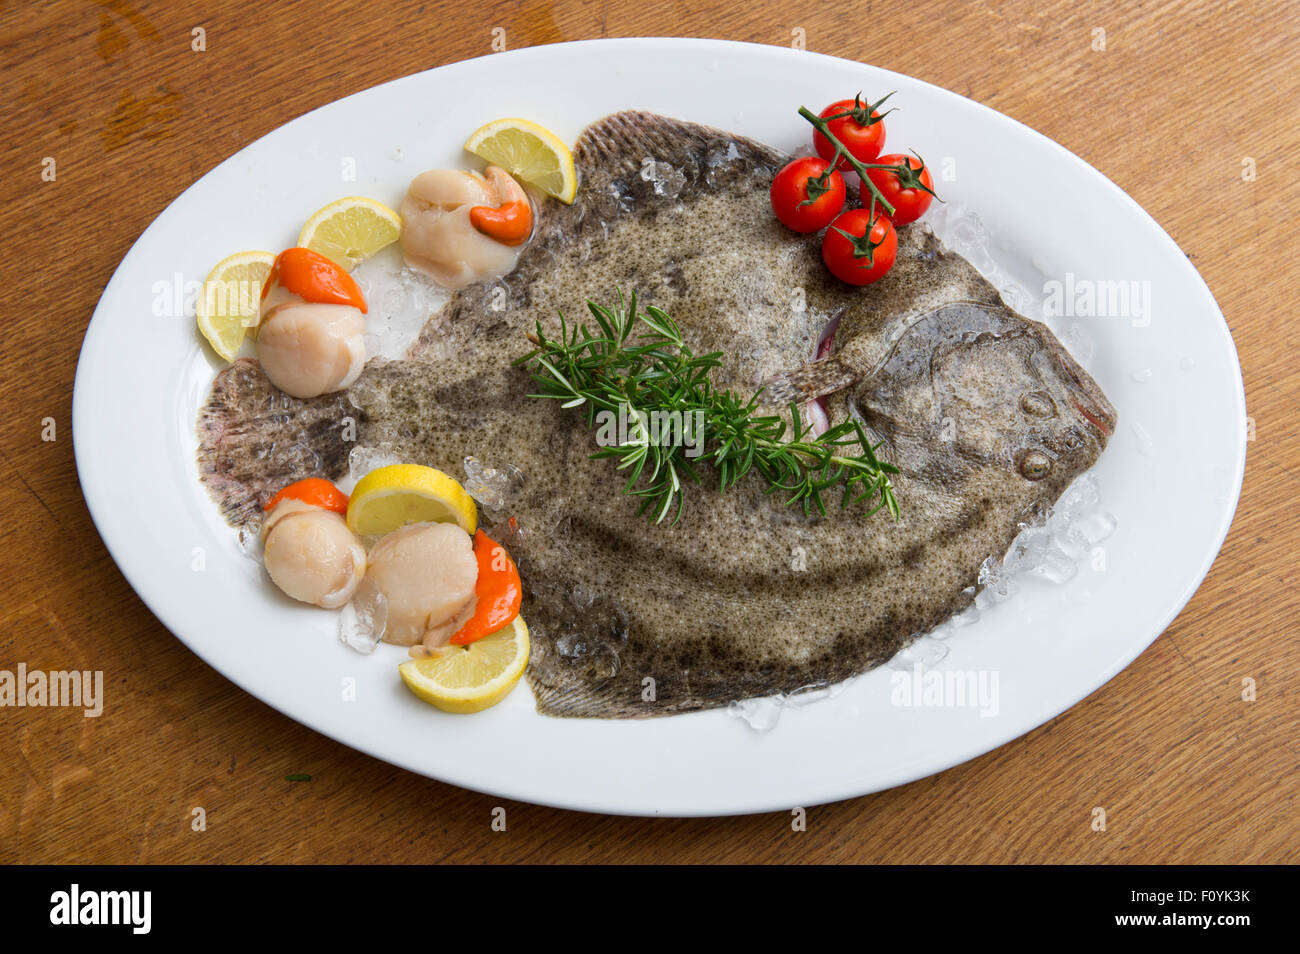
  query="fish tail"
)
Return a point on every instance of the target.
[{"x": 812, "y": 380}]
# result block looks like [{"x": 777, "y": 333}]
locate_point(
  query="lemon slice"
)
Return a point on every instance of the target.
[
  {"x": 389, "y": 498},
  {"x": 231, "y": 300},
  {"x": 471, "y": 678},
  {"x": 350, "y": 230},
  {"x": 529, "y": 152}
]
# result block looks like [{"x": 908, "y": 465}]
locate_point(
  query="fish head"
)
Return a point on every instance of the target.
[{"x": 975, "y": 383}]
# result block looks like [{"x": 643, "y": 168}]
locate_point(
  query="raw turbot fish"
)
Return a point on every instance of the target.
[{"x": 986, "y": 414}]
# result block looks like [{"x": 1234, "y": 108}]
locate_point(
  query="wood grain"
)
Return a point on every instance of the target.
[{"x": 1185, "y": 769}]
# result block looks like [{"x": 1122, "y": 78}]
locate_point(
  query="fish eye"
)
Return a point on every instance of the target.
[
  {"x": 1035, "y": 465},
  {"x": 1037, "y": 404}
]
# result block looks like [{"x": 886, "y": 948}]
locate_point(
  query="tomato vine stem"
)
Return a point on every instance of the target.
[{"x": 823, "y": 127}]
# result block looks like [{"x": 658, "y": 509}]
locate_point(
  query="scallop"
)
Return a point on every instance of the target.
[
  {"x": 309, "y": 349},
  {"x": 427, "y": 573},
  {"x": 311, "y": 554},
  {"x": 437, "y": 236}
]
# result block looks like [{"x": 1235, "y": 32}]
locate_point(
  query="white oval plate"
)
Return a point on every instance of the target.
[{"x": 1171, "y": 473}]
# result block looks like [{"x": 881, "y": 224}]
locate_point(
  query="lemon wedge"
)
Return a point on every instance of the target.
[
  {"x": 350, "y": 230},
  {"x": 231, "y": 300},
  {"x": 389, "y": 498},
  {"x": 471, "y": 678},
  {"x": 529, "y": 152}
]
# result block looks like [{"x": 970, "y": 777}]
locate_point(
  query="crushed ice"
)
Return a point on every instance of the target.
[
  {"x": 924, "y": 652},
  {"x": 962, "y": 231},
  {"x": 399, "y": 299},
  {"x": 609, "y": 203},
  {"x": 1050, "y": 551},
  {"x": 666, "y": 178},
  {"x": 364, "y": 620},
  {"x": 494, "y": 488},
  {"x": 249, "y": 540},
  {"x": 762, "y": 714},
  {"x": 364, "y": 458},
  {"x": 717, "y": 158}
]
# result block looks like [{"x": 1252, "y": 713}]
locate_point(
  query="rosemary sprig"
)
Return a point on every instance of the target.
[{"x": 653, "y": 372}]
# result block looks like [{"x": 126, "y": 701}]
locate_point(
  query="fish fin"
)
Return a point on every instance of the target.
[
  {"x": 254, "y": 440},
  {"x": 617, "y": 147},
  {"x": 825, "y": 376}
]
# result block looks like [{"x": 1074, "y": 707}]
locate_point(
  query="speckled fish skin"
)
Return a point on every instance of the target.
[{"x": 744, "y": 597}]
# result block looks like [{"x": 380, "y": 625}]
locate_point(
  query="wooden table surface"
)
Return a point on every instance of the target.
[{"x": 1186, "y": 770}]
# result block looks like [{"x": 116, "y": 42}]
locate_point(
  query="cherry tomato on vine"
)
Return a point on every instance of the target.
[
  {"x": 910, "y": 195},
  {"x": 801, "y": 201},
  {"x": 858, "y": 250},
  {"x": 862, "y": 131}
]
